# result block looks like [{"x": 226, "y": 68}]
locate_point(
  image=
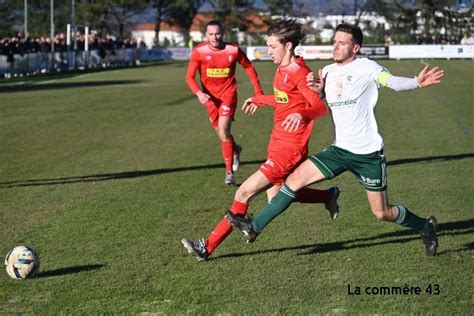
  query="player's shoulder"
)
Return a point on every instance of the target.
[
  {"x": 201, "y": 47},
  {"x": 328, "y": 68},
  {"x": 231, "y": 47},
  {"x": 366, "y": 63},
  {"x": 299, "y": 67}
]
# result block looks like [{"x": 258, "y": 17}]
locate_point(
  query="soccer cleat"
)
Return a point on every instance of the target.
[
  {"x": 236, "y": 163},
  {"x": 331, "y": 206},
  {"x": 229, "y": 178},
  {"x": 430, "y": 238},
  {"x": 196, "y": 248},
  {"x": 243, "y": 225}
]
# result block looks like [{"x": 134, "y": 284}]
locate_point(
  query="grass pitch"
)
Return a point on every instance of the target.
[{"x": 104, "y": 173}]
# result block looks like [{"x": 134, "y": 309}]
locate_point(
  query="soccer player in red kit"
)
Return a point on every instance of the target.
[
  {"x": 216, "y": 60},
  {"x": 296, "y": 106}
]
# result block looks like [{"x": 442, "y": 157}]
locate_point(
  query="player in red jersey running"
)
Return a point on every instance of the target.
[
  {"x": 296, "y": 107},
  {"x": 216, "y": 60}
]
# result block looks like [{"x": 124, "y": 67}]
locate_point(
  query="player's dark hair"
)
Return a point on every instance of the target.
[
  {"x": 287, "y": 30},
  {"x": 216, "y": 23},
  {"x": 354, "y": 30}
]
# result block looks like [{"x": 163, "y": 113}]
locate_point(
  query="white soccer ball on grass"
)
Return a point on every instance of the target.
[{"x": 22, "y": 262}]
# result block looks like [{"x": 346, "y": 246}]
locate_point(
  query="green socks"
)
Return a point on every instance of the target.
[
  {"x": 275, "y": 207},
  {"x": 408, "y": 219}
]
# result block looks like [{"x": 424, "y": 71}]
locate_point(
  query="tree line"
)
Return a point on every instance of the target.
[{"x": 116, "y": 16}]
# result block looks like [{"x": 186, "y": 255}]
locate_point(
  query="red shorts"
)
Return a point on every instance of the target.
[
  {"x": 281, "y": 161},
  {"x": 215, "y": 110}
]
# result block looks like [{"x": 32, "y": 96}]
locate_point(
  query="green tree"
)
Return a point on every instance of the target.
[
  {"x": 182, "y": 13},
  {"x": 109, "y": 16},
  {"x": 6, "y": 19},
  {"x": 163, "y": 11},
  {"x": 280, "y": 7},
  {"x": 296, "y": 8},
  {"x": 39, "y": 16},
  {"x": 426, "y": 17},
  {"x": 122, "y": 12},
  {"x": 234, "y": 15},
  {"x": 104, "y": 16}
]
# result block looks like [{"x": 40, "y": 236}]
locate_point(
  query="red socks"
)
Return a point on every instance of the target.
[
  {"x": 223, "y": 229},
  {"x": 228, "y": 154},
  {"x": 308, "y": 195}
]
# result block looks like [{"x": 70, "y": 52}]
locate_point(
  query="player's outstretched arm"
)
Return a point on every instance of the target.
[
  {"x": 428, "y": 77},
  {"x": 425, "y": 78}
]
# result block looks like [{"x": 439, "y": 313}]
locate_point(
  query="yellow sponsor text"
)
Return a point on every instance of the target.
[
  {"x": 218, "y": 72},
  {"x": 280, "y": 96}
]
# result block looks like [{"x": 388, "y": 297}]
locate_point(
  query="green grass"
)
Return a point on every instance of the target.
[{"x": 104, "y": 173}]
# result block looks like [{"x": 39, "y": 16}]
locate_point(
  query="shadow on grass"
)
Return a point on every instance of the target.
[
  {"x": 69, "y": 270},
  {"x": 181, "y": 100},
  {"x": 114, "y": 176},
  {"x": 64, "y": 85},
  {"x": 154, "y": 172},
  {"x": 81, "y": 72},
  {"x": 465, "y": 227},
  {"x": 430, "y": 159}
]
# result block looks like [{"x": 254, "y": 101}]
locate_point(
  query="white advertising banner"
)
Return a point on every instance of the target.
[
  {"x": 431, "y": 51},
  {"x": 170, "y": 53},
  {"x": 257, "y": 53},
  {"x": 307, "y": 52},
  {"x": 314, "y": 52}
]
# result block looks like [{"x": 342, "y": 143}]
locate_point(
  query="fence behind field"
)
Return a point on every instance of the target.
[{"x": 31, "y": 63}]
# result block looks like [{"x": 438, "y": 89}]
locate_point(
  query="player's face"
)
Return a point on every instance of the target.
[
  {"x": 279, "y": 52},
  {"x": 344, "y": 48},
  {"x": 214, "y": 36}
]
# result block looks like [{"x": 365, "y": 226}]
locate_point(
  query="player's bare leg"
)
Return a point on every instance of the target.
[
  {"x": 379, "y": 206},
  {"x": 308, "y": 173},
  {"x": 202, "y": 249},
  {"x": 256, "y": 183},
  {"x": 227, "y": 145},
  {"x": 271, "y": 192},
  {"x": 402, "y": 215},
  {"x": 305, "y": 174}
]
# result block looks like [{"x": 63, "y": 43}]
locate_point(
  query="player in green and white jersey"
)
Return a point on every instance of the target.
[{"x": 351, "y": 90}]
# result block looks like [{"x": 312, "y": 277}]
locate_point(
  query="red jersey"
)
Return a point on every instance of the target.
[
  {"x": 217, "y": 71},
  {"x": 292, "y": 95}
]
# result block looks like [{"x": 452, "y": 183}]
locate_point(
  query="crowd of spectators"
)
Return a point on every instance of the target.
[
  {"x": 443, "y": 40},
  {"x": 21, "y": 44}
]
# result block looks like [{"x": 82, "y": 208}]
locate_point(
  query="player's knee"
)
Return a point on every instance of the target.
[
  {"x": 224, "y": 135},
  {"x": 242, "y": 194},
  {"x": 295, "y": 180},
  {"x": 382, "y": 215}
]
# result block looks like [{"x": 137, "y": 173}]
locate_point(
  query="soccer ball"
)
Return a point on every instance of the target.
[{"x": 22, "y": 262}]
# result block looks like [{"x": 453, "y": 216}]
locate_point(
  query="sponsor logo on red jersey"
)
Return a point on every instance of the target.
[{"x": 280, "y": 96}]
